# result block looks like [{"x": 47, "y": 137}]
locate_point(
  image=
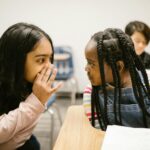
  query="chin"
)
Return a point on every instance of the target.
[
  {"x": 93, "y": 84},
  {"x": 30, "y": 81},
  {"x": 139, "y": 52}
]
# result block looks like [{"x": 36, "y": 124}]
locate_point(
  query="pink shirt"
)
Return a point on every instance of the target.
[{"x": 17, "y": 126}]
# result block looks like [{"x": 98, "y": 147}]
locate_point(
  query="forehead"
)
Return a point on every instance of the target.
[
  {"x": 138, "y": 35},
  {"x": 91, "y": 50},
  {"x": 43, "y": 46}
]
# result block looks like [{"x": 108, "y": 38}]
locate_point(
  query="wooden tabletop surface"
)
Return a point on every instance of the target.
[{"x": 77, "y": 133}]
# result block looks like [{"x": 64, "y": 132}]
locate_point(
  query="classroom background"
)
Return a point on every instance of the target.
[{"x": 72, "y": 22}]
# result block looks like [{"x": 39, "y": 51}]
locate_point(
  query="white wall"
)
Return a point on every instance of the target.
[{"x": 72, "y": 22}]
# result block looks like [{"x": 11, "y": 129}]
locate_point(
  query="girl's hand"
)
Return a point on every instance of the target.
[{"x": 42, "y": 86}]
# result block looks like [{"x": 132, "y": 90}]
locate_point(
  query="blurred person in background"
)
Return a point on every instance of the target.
[{"x": 140, "y": 34}]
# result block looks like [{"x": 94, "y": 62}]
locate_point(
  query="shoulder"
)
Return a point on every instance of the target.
[
  {"x": 87, "y": 94},
  {"x": 88, "y": 89},
  {"x": 146, "y": 55}
]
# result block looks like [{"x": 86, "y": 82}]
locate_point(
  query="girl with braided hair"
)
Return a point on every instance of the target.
[{"x": 120, "y": 89}]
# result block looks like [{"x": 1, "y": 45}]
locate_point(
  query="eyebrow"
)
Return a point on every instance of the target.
[
  {"x": 43, "y": 55},
  {"x": 93, "y": 61}
]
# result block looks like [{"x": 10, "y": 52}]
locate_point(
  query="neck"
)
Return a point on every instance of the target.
[{"x": 126, "y": 80}]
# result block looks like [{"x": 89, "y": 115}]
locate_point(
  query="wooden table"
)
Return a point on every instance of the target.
[{"x": 77, "y": 133}]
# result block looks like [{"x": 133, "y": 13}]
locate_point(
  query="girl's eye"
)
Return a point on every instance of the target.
[
  {"x": 41, "y": 60},
  {"x": 90, "y": 64},
  {"x": 137, "y": 41}
]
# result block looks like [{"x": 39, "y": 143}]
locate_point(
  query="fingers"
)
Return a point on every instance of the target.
[
  {"x": 40, "y": 75},
  {"x": 54, "y": 89},
  {"x": 52, "y": 77},
  {"x": 42, "y": 86},
  {"x": 47, "y": 76},
  {"x": 47, "y": 73}
]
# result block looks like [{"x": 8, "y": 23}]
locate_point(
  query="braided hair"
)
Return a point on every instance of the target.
[{"x": 114, "y": 45}]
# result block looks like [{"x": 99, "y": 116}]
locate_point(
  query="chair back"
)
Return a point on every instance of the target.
[{"x": 63, "y": 60}]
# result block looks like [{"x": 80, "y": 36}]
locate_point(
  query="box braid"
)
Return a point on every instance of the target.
[
  {"x": 114, "y": 45},
  {"x": 136, "y": 81},
  {"x": 102, "y": 116}
]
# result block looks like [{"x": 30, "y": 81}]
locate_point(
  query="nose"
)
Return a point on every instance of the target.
[
  {"x": 48, "y": 64},
  {"x": 87, "y": 68},
  {"x": 141, "y": 45}
]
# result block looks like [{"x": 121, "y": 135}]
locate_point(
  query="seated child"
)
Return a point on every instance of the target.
[{"x": 120, "y": 89}]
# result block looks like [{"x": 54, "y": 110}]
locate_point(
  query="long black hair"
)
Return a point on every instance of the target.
[
  {"x": 114, "y": 45},
  {"x": 18, "y": 40}
]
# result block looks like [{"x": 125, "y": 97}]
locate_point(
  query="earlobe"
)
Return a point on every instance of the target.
[{"x": 120, "y": 66}]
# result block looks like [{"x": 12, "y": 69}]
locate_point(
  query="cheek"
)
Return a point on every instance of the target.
[
  {"x": 31, "y": 72},
  {"x": 96, "y": 77},
  {"x": 99, "y": 78},
  {"x": 108, "y": 76}
]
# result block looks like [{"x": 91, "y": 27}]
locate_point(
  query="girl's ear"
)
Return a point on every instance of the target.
[{"x": 120, "y": 66}]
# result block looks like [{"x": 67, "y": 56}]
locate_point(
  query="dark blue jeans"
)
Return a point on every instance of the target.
[{"x": 31, "y": 144}]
